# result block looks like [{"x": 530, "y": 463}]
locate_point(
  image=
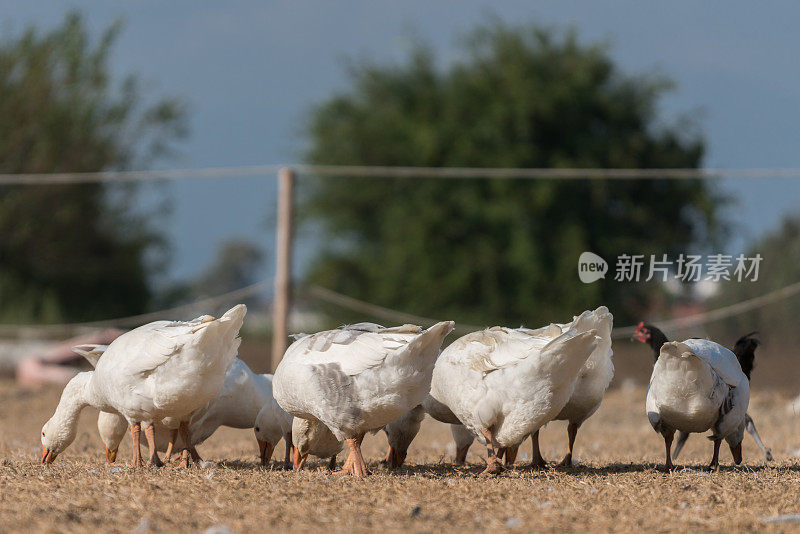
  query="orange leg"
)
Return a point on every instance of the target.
[
  {"x": 359, "y": 465},
  {"x": 173, "y": 436},
  {"x": 184, "y": 462},
  {"x": 348, "y": 465},
  {"x": 265, "y": 450},
  {"x": 511, "y": 456},
  {"x": 572, "y": 431},
  {"x": 537, "y": 462},
  {"x": 355, "y": 464},
  {"x": 150, "y": 434},
  {"x": 137, "y": 453},
  {"x": 186, "y": 436},
  {"x": 493, "y": 464}
]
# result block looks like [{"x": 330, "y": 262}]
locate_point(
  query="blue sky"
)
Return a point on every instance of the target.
[{"x": 250, "y": 70}]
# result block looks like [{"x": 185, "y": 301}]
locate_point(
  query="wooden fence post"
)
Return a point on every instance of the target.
[{"x": 283, "y": 269}]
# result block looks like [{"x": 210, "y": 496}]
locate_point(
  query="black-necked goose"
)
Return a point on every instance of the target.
[
  {"x": 698, "y": 385},
  {"x": 744, "y": 349}
]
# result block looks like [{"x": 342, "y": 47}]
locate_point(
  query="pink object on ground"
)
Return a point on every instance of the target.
[{"x": 58, "y": 364}]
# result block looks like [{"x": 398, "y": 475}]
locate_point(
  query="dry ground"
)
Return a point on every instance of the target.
[{"x": 616, "y": 486}]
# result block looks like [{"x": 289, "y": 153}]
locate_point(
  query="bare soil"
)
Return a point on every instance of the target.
[{"x": 617, "y": 485}]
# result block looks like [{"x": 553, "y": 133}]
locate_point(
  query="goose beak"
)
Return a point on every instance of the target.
[
  {"x": 299, "y": 460},
  {"x": 395, "y": 458},
  {"x": 401, "y": 458},
  {"x": 111, "y": 456},
  {"x": 48, "y": 456},
  {"x": 265, "y": 451}
]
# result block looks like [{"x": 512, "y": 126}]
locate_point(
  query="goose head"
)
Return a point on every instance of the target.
[
  {"x": 60, "y": 431},
  {"x": 312, "y": 437},
  {"x": 55, "y": 438},
  {"x": 264, "y": 446},
  {"x": 302, "y": 436}
]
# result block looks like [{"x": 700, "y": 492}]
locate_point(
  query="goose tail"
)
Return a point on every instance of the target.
[
  {"x": 220, "y": 337},
  {"x": 563, "y": 358},
  {"x": 602, "y": 321},
  {"x": 430, "y": 341},
  {"x": 421, "y": 353}
]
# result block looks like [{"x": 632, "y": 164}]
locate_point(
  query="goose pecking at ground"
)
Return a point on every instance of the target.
[
  {"x": 590, "y": 387},
  {"x": 358, "y": 378},
  {"x": 314, "y": 439},
  {"x": 240, "y": 400},
  {"x": 401, "y": 433},
  {"x": 698, "y": 385},
  {"x": 744, "y": 349},
  {"x": 162, "y": 371},
  {"x": 504, "y": 384}
]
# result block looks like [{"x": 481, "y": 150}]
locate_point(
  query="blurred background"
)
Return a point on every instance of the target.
[{"x": 97, "y": 86}]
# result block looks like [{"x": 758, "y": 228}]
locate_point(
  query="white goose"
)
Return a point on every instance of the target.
[
  {"x": 590, "y": 387},
  {"x": 272, "y": 424},
  {"x": 400, "y": 433},
  {"x": 160, "y": 371},
  {"x": 698, "y": 385},
  {"x": 461, "y": 435},
  {"x": 240, "y": 400},
  {"x": 315, "y": 439},
  {"x": 358, "y": 378},
  {"x": 319, "y": 441},
  {"x": 504, "y": 383}
]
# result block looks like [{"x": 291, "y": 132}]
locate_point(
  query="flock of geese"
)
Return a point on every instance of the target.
[{"x": 178, "y": 381}]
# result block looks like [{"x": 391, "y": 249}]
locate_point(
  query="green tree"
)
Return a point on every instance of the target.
[
  {"x": 74, "y": 252},
  {"x": 486, "y": 251}
]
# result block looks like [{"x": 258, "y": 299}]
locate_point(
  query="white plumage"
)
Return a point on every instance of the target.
[
  {"x": 358, "y": 378},
  {"x": 313, "y": 438},
  {"x": 698, "y": 385},
  {"x": 592, "y": 382},
  {"x": 242, "y": 397},
  {"x": 504, "y": 383},
  {"x": 161, "y": 371}
]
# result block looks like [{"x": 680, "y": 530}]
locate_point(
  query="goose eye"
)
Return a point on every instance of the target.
[
  {"x": 42, "y": 434},
  {"x": 257, "y": 429}
]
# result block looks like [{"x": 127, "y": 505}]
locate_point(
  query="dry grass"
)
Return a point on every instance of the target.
[{"x": 616, "y": 487}]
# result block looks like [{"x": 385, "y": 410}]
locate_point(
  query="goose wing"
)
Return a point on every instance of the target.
[
  {"x": 355, "y": 348},
  {"x": 721, "y": 360},
  {"x": 155, "y": 343},
  {"x": 733, "y": 410},
  {"x": 499, "y": 347}
]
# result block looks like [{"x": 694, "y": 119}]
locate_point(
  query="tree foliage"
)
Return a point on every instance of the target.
[
  {"x": 74, "y": 252},
  {"x": 486, "y": 251}
]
